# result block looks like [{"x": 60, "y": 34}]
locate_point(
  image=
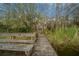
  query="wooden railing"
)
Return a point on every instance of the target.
[
  {"x": 38, "y": 45},
  {"x": 14, "y": 44}
]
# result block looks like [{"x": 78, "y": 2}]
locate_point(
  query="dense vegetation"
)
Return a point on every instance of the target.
[
  {"x": 62, "y": 30},
  {"x": 19, "y": 17},
  {"x": 63, "y": 33},
  {"x": 65, "y": 41}
]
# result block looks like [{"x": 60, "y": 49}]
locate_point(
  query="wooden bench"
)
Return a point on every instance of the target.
[{"x": 18, "y": 45}]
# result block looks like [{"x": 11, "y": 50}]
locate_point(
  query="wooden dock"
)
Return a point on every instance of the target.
[
  {"x": 43, "y": 47},
  {"x": 37, "y": 46}
]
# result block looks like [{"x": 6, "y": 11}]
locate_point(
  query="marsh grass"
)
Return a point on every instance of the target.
[{"x": 65, "y": 40}]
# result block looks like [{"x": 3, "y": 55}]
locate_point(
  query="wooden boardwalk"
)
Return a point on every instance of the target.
[
  {"x": 43, "y": 48},
  {"x": 40, "y": 46}
]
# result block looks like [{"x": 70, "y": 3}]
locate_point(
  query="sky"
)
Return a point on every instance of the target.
[{"x": 47, "y": 9}]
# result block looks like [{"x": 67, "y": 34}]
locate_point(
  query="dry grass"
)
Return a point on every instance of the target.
[{"x": 65, "y": 41}]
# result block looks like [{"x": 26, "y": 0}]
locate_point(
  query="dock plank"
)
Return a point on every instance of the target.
[
  {"x": 16, "y": 41},
  {"x": 15, "y": 47},
  {"x": 43, "y": 47}
]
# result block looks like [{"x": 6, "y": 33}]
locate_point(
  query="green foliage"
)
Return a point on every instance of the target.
[
  {"x": 18, "y": 18},
  {"x": 69, "y": 32},
  {"x": 65, "y": 41}
]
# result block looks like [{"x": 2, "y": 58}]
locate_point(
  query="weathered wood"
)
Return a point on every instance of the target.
[
  {"x": 12, "y": 53},
  {"x": 17, "y": 41},
  {"x": 17, "y": 34},
  {"x": 37, "y": 47},
  {"x": 43, "y": 48},
  {"x": 15, "y": 47},
  {"x": 18, "y": 45},
  {"x": 14, "y": 40},
  {"x": 27, "y": 48}
]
